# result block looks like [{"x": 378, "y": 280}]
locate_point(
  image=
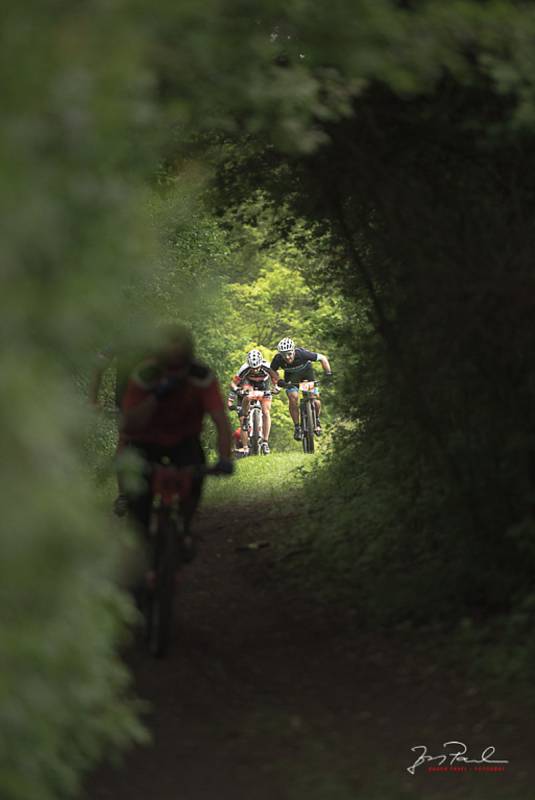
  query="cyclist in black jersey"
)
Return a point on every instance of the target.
[
  {"x": 256, "y": 372},
  {"x": 297, "y": 365}
]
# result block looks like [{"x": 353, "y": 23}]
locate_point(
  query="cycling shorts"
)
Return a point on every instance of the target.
[{"x": 293, "y": 389}]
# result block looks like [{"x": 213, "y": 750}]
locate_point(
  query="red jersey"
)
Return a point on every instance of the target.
[{"x": 179, "y": 415}]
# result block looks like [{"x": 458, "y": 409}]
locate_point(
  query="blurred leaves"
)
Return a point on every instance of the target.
[{"x": 73, "y": 99}]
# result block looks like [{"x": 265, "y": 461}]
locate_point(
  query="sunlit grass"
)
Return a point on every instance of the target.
[{"x": 259, "y": 479}]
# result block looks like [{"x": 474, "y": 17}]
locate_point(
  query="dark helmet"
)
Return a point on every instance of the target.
[{"x": 177, "y": 343}]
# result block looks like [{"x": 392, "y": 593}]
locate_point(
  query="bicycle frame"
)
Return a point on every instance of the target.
[
  {"x": 171, "y": 486},
  {"x": 255, "y": 420},
  {"x": 308, "y": 414}
]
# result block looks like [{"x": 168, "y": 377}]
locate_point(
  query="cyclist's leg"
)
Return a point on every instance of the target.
[
  {"x": 266, "y": 417},
  {"x": 293, "y": 404},
  {"x": 245, "y": 411},
  {"x": 244, "y": 434},
  {"x": 244, "y": 438},
  {"x": 317, "y": 405},
  {"x": 189, "y": 453},
  {"x": 139, "y": 503}
]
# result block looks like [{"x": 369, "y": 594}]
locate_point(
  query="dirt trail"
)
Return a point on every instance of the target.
[{"x": 266, "y": 698}]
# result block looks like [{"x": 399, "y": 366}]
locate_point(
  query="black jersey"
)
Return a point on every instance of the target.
[{"x": 301, "y": 367}]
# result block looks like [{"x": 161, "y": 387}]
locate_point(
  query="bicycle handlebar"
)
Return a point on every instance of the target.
[{"x": 327, "y": 383}]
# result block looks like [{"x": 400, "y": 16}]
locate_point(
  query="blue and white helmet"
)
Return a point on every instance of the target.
[
  {"x": 254, "y": 358},
  {"x": 286, "y": 345}
]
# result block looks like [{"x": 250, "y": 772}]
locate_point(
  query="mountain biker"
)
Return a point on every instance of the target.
[
  {"x": 257, "y": 373},
  {"x": 165, "y": 402},
  {"x": 297, "y": 365}
]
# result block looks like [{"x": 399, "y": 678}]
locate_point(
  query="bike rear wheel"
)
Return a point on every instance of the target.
[
  {"x": 160, "y": 600},
  {"x": 308, "y": 421}
]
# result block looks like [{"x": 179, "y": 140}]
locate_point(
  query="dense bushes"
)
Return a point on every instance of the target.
[{"x": 67, "y": 189}]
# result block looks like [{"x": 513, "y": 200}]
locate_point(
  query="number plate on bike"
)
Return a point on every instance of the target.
[
  {"x": 307, "y": 386},
  {"x": 255, "y": 394}
]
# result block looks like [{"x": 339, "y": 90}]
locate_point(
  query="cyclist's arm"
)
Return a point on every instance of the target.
[
  {"x": 224, "y": 433},
  {"x": 235, "y": 383},
  {"x": 274, "y": 375},
  {"x": 324, "y": 361},
  {"x": 274, "y": 368}
]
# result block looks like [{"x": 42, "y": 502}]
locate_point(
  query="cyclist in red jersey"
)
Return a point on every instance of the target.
[{"x": 163, "y": 408}]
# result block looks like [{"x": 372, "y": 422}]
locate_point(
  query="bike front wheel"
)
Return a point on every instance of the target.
[
  {"x": 160, "y": 598},
  {"x": 256, "y": 431},
  {"x": 308, "y": 421}
]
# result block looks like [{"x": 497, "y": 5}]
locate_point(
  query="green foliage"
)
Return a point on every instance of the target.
[{"x": 72, "y": 87}]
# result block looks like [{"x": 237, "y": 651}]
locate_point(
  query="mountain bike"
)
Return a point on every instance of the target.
[
  {"x": 308, "y": 418},
  {"x": 254, "y": 419},
  {"x": 168, "y": 549}
]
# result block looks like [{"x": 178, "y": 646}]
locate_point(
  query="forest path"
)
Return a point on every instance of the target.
[{"x": 265, "y": 697}]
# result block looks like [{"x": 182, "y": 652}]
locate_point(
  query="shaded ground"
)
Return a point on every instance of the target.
[{"x": 267, "y": 698}]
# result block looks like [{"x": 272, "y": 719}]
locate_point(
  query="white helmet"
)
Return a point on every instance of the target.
[
  {"x": 254, "y": 358},
  {"x": 286, "y": 346}
]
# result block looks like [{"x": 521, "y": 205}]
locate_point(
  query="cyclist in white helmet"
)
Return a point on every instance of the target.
[
  {"x": 257, "y": 373},
  {"x": 297, "y": 365}
]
